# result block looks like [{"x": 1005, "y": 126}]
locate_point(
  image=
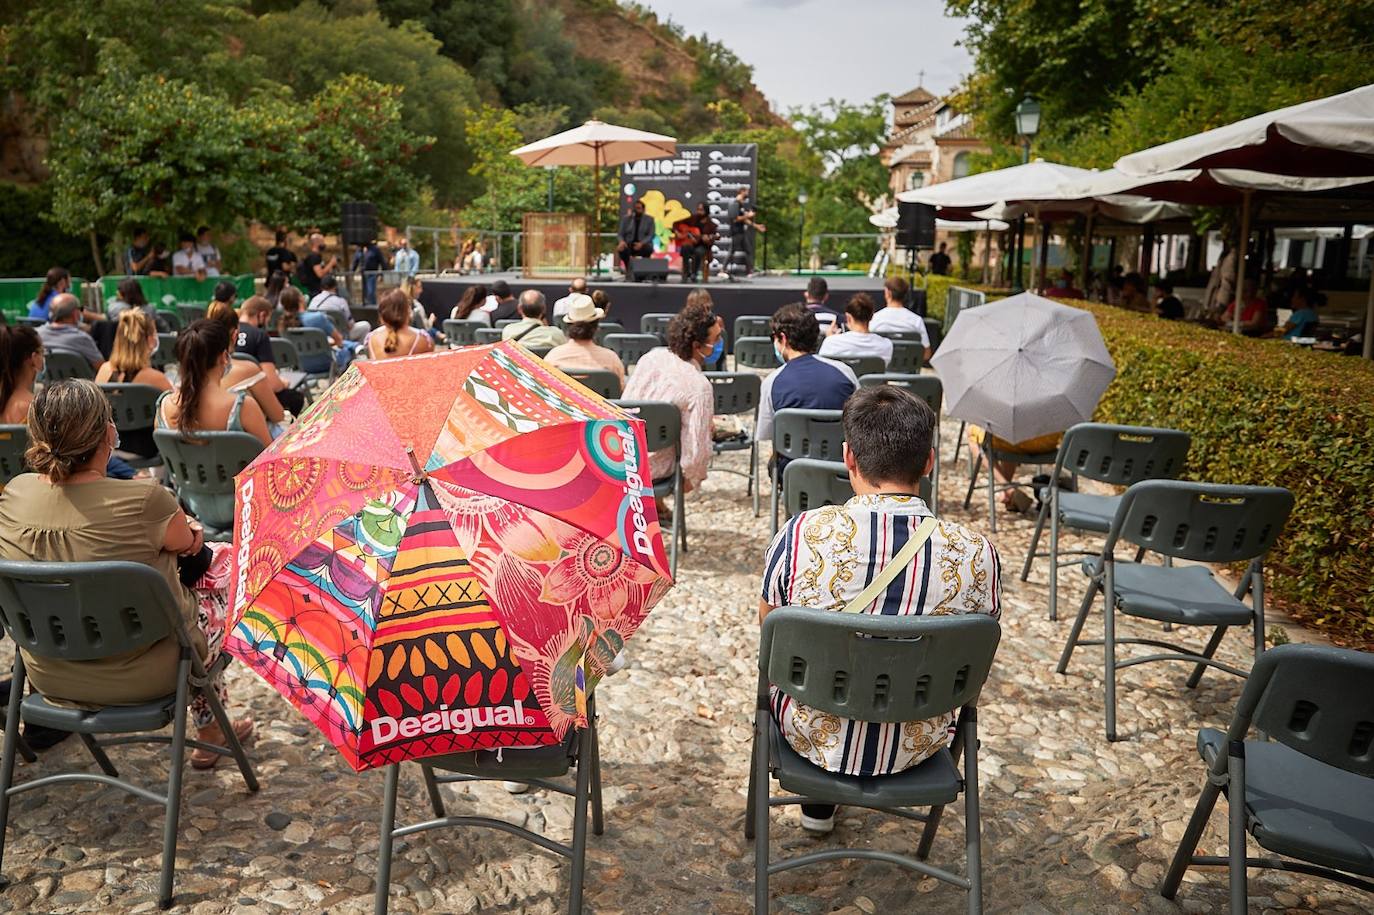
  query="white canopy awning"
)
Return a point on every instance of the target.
[
  {"x": 1038, "y": 180},
  {"x": 887, "y": 219}
]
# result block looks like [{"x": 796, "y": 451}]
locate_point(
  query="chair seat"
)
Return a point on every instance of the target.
[
  {"x": 935, "y": 781},
  {"x": 1085, "y": 511},
  {"x": 732, "y": 445},
  {"x": 1303, "y": 808},
  {"x": 525, "y": 762},
  {"x": 663, "y": 487},
  {"x": 113, "y": 719},
  {"x": 1187, "y": 595}
]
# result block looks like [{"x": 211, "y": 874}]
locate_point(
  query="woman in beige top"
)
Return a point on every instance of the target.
[
  {"x": 68, "y": 511},
  {"x": 581, "y": 350}
]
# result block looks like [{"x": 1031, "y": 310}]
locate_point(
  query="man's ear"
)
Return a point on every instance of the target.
[
  {"x": 848, "y": 456},
  {"x": 931, "y": 458}
]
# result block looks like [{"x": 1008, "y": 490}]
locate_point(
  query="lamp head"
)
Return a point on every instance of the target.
[{"x": 1028, "y": 117}]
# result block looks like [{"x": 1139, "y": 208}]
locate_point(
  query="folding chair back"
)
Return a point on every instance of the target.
[
  {"x": 505, "y": 322},
  {"x": 487, "y": 335},
  {"x": 752, "y": 326},
  {"x": 603, "y": 382},
  {"x": 656, "y": 323},
  {"x": 755, "y": 353},
  {"x": 462, "y": 332},
  {"x": 59, "y": 366},
  {"x": 1302, "y": 696},
  {"x": 907, "y": 357},
  {"x": 662, "y": 421},
  {"x": 927, "y": 387},
  {"x": 1204, "y": 522},
  {"x": 285, "y": 354},
  {"x": 877, "y": 668},
  {"x": 308, "y": 342},
  {"x": 935, "y": 331},
  {"x": 907, "y": 335},
  {"x": 191, "y": 313},
  {"x": 808, "y": 434},
  {"x": 605, "y": 328},
  {"x": 14, "y": 441},
  {"x": 735, "y": 392},
  {"x": 369, "y": 313},
  {"x": 540, "y": 351},
  {"x": 134, "y": 405},
  {"x": 864, "y": 365},
  {"x": 809, "y": 484},
  {"x": 173, "y": 318},
  {"x": 1122, "y": 455},
  {"x": 166, "y": 352},
  {"x": 203, "y": 470},
  {"x": 631, "y": 347}
]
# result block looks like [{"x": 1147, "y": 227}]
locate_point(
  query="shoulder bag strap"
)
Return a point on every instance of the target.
[{"x": 894, "y": 568}]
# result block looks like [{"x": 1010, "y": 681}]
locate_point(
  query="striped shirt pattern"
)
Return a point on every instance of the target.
[{"x": 825, "y": 558}]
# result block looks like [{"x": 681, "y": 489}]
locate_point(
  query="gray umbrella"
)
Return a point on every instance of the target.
[{"x": 1023, "y": 367}]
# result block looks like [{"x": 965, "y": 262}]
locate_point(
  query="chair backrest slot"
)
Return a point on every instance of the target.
[
  {"x": 1361, "y": 738},
  {"x": 1303, "y": 714},
  {"x": 839, "y": 687}
]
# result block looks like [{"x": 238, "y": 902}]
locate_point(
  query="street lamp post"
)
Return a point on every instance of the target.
[
  {"x": 801, "y": 230},
  {"x": 1027, "y": 126}
]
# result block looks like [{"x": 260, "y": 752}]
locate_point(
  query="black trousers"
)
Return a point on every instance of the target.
[
  {"x": 693, "y": 259},
  {"x": 740, "y": 241},
  {"x": 634, "y": 249},
  {"x": 291, "y": 400}
]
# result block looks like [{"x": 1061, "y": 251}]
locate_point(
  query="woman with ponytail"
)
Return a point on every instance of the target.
[
  {"x": 469, "y": 307},
  {"x": 67, "y": 510},
  {"x": 200, "y": 403},
  {"x": 131, "y": 363},
  {"x": 21, "y": 361},
  {"x": 396, "y": 337}
]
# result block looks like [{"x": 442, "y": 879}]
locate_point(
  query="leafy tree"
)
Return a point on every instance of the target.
[{"x": 845, "y": 139}]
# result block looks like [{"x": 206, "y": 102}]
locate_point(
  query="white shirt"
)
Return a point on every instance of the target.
[
  {"x": 331, "y": 301},
  {"x": 853, "y": 343},
  {"x": 208, "y": 253},
  {"x": 560, "y": 308},
  {"x": 190, "y": 260},
  {"x": 900, "y": 319}
]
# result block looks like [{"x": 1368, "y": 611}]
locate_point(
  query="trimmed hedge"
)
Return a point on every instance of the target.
[{"x": 1266, "y": 412}]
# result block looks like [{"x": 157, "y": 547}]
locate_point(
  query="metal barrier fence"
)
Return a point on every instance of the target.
[
  {"x": 957, "y": 298},
  {"x": 502, "y": 249}
]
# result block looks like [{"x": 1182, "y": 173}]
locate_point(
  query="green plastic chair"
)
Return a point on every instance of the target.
[
  {"x": 907, "y": 358},
  {"x": 602, "y": 382},
  {"x": 1307, "y": 791},
  {"x": 202, "y": 471},
  {"x": 663, "y": 429},
  {"x": 605, "y": 328},
  {"x": 1118, "y": 455},
  {"x": 462, "y": 333},
  {"x": 14, "y": 441},
  {"x": 166, "y": 352},
  {"x": 1200, "y": 522},
  {"x": 874, "y": 668},
  {"x": 308, "y": 342},
  {"x": 368, "y": 313},
  {"x": 631, "y": 347},
  {"x": 752, "y": 326},
  {"x": 656, "y": 323},
  {"x": 737, "y": 394},
  {"x": 755, "y": 353},
  {"x": 191, "y": 313},
  {"x": 485, "y": 335},
  {"x": 535, "y": 767},
  {"x": 134, "y": 407},
  {"x": 815, "y": 434},
  {"x": 504, "y": 323},
  {"x": 808, "y": 484},
  {"x": 862, "y": 365},
  {"x": 540, "y": 351},
  {"x": 87, "y": 611},
  {"x": 59, "y": 366},
  {"x": 930, "y": 389}
]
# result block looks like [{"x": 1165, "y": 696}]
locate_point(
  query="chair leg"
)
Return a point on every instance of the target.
[
  {"x": 973, "y": 824},
  {"x": 1184, "y": 856},
  {"x": 1035, "y": 540},
  {"x": 959, "y": 442},
  {"x": 754, "y": 474},
  {"x": 176, "y": 766},
  {"x": 436, "y": 797},
  {"x": 1054, "y": 554},
  {"x": 393, "y": 773},
  {"x": 1109, "y": 645},
  {"x": 11, "y": 744},
  {"x": 579, "y": 843},
  {"x": 1077, "y": 629},
  {"x": 1257, "y": 582},
  {"x": 98, "y": 754},
  {"x": 1211, "y": 648},
  {"x": 761, "y": 722},
  {"x": 598, "y": 813},
  {"x": 935, "y": 472},
  {"x": 973, "y": 479},
  {"x": 231, "y": 740},
  {"x": 677, "y": 519},
  {"x": 751, "y": 797},
  {"x": 1235, "y": 801},
  {"x": 681, "y": 521},
  {"x": 992, "y": 494},
  {"x": 773, "y": 494}
]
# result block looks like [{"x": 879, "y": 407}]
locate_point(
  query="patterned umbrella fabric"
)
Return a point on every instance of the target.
[{"x": 444, "y": 554}]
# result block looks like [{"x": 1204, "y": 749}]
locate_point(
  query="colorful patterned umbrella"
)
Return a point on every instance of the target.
[{"x": 444, "y": 554}]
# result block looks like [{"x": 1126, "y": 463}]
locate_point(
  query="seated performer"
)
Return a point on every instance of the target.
[
  {"x": 694, "y": 236},
  {"x": 636, "y": 238}
]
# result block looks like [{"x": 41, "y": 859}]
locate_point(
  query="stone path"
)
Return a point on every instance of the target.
[{"x": 1071, "y": 822}]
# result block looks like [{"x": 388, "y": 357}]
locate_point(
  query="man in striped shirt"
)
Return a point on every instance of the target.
[{"x": 826, "y": 557}]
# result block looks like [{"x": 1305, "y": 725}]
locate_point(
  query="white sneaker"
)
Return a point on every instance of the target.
[
  {"x": 818, "y": 827},
  {"x": 522, "y": 787}
]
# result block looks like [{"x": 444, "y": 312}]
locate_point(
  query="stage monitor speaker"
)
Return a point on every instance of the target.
[
  {"x": 654, "y": 269},
  {"x": 915, "y": 225},
  {"x": 359, "y": 222}
]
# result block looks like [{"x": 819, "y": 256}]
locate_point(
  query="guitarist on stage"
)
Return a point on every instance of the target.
[
  {"x": 694, "y": 236},
  {"x": 741, "y": 215}
]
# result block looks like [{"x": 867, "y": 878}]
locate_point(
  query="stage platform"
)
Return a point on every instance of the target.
[{"x": 760, "y": 295}]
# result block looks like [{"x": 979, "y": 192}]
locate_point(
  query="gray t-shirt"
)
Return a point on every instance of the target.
[{"x": 68, "y": 338}]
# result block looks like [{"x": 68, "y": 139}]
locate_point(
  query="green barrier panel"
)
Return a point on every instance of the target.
[
  {"x": 171, "y": 291},
  {"x": 16, "y": 294}
]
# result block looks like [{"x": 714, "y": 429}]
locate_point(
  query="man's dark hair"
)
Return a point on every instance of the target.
[
  {"x": 139, "y": 230},
  {"x": 689, "y": 328},
  {"x": 1165, "y": 286},
  {"x": 860, "y": 307},
  {"x": 500, "y": 289},
  {"x": 817, "y": 290},
  {"x": 225, "y": 291},
  {"x": 185, "y": 236},
  {"x": 1136, "y": 280},
  {"x": 581, "y": 330},
  {"x": 281, "y": 237},
  {"x": 329, "y": 281},
  {"x": 800, "y": 326},
  {"x": 202, "y": 230},
  {"x": 889, "y": 431},
  {"x": 898, "y": 288}
]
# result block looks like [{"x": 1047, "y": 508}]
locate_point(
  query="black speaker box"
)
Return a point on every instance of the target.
[
  {"x": 359, "y": 222},
  {"x": 649, "y": 268},
  {"x": 915, "y": 225}
]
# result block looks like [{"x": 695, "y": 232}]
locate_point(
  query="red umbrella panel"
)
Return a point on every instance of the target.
[{"x": 445, "y": 553}]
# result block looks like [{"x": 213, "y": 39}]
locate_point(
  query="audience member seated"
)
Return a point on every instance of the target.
[
  {"x": 186, "y": 260},
  {"x": 581, "y": 351},
  {"x": 21, "y": 362},
  {"x": 1004, "y": 471},
  {"x": 129, "y": 294},
  {"x": 1167, "y": 305},
  {"x": 1254, "y": 316},
  {"x": 805, "y": 381},
  {"x": 329, "y": 301},
  {"x": 396, "y": 337},
  {"x": 533, "y": 328},
  {"x": 1303, "y": 321},
  {"x": 254, "y": 340},
  {"x": 469, "y": 307},
  {"x": 895, "y": 316},
  {"x": 858, "y": 340},
  {"x": 200, "y": 402},
  {"x": 576, "y": 288},
  {"x": 62, "y": 333},
  {"x": 138, "y": 257},
  {"x": 1133, "y": 296},
  {"x": 68, "y": 511},
  {"x": 276, "y": 284},
  {"x": 246, "y": 374},
  {"x": 673, "y": 373},
  {"x": 291, "y": 301},
  {"x": 825, "y": 557},
  {"x": 501, "y": 304},
  {"x": 132, "y": 363},
  {"x": 816, "y": 295},
  {"x": 1064, "y": 288},
  {"x": 55, "y": 283},
  {"x": 419, "y": 317}
]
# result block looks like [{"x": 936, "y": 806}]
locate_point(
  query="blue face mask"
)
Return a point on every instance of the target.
[
  {"x": 777, "y": 354},
  {"x": 716, "y": 352}
]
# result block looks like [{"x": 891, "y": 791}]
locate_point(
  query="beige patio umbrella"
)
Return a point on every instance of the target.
[{"x": 597, "y": 144}]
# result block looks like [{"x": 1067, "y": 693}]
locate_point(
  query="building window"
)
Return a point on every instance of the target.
[
  {"x": 913, "y": 180},
  {"x": 961, "y": 165}
]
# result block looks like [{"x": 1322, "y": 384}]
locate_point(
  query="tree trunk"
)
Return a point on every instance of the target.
[{"x": 95, "y": 254}]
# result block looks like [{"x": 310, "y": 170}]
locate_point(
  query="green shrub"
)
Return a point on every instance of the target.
[{"x": 1266, "y": 412}]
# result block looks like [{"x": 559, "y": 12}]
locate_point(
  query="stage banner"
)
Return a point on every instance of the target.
[{"x": 671, "y": 188}]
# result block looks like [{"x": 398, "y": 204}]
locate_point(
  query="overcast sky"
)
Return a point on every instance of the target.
[{"x": 807, "y": 51}]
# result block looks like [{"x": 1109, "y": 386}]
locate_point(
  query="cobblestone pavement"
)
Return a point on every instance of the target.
[{"x": 1071, "y": 822}]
